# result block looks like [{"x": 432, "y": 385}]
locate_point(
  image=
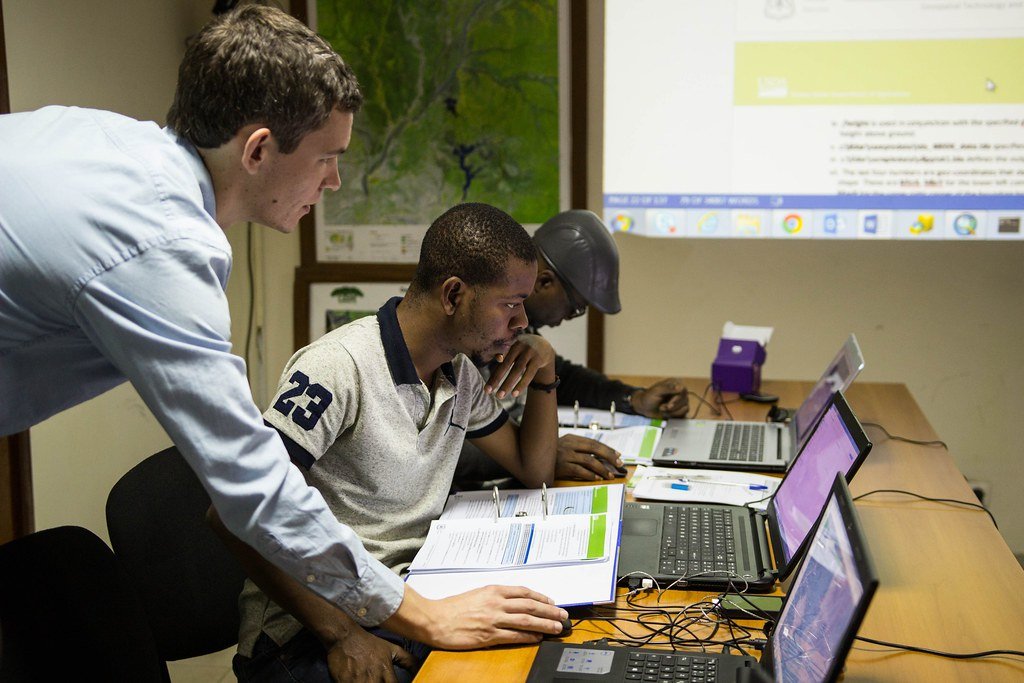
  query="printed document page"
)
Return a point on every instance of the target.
[
  {"x": 563, "y": 500},
  {"x": 592, "y": 418},
  {"x": 703, "y": 486},
  {"x": 579, "y": 583},
  {"x": 636, "y": 444},
  {"x": 506, "y": 543}
]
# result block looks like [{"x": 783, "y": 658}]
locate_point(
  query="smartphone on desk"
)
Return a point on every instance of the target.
[{"x": 737, "y": 606}]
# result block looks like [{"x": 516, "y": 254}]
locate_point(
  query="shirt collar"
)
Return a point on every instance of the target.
[
  {"x": 396, "y": 351},
  {"x": 199, "y": 169}
]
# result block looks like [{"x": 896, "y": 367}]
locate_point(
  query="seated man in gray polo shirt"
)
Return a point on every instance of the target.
[{"x": 375, "y": 414}]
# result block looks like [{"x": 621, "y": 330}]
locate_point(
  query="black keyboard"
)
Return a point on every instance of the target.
[
  {"x": 743, "y": 442},
  {"x": 697, "y": 539},
  {"x": 650, "y": 666}
]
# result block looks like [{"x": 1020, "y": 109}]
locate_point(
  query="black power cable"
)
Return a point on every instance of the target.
[
  {"x": 951, "y": 501},
  {"x": 940, "y": 653}
]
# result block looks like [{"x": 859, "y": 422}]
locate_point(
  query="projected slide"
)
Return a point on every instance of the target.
[{"x": 795, "y": 119}]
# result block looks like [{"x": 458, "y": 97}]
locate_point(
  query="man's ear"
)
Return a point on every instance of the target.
[
  {"x": 254, "y": 150},
  {"x": 453, "y": 290}
]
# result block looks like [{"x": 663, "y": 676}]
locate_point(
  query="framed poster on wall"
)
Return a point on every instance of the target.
[
  {"x": 332, "y": 304},
  {"x": 325, "y": 300},
  {"x": 488, "y": 115},
  {"x": 464, "y": 108}
]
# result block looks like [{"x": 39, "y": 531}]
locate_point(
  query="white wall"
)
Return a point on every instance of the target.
[
  {"x": 121, "y": 56},
  {"x": 945, "y": 319}
]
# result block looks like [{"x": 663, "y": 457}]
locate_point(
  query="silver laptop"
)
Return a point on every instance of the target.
[{"x": 758, "y": 446}]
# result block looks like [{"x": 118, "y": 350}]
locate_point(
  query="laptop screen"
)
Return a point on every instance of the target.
[
  {"x": 831, "y": 449},
  {"x": 824, "y": 605},
  {"x": 838, "y": 377}
]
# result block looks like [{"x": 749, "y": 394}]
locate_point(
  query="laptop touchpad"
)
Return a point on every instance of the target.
[{"x": 633, "y": 526}]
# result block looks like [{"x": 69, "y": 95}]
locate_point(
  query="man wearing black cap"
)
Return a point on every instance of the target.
[{"x": 578, "y": 266}]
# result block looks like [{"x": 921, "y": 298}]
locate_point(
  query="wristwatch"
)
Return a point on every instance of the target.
[
  {"x": 627, "y": 398},
  {"x": 546, "y": 387}
]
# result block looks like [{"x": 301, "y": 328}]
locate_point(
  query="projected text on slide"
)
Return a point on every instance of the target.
[{"x": 815, "y": 118}]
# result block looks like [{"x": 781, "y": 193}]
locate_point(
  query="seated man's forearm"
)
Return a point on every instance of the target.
[
  {"x": 538, "y": 438},
  {"x": 328, "y": 622}
]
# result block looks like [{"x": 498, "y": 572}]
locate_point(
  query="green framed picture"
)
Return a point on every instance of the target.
[{"x": 461, "y": 105}]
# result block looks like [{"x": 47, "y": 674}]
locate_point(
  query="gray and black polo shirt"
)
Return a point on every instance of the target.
[{"x": 374, "y": 440}]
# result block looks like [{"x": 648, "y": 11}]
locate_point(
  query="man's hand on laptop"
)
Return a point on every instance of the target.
[
  {"x": 586, "y": 459},
  {"x": 667, "y": 398},
  {"x": 493, "y": 615}
]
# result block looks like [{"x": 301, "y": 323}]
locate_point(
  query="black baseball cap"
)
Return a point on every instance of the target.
[{"x": 580, "y": 249}]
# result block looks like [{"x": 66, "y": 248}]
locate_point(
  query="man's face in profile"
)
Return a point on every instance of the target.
[{"x": 291, "y": 184}]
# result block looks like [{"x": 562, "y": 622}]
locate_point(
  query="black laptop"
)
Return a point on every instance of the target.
[
  {"x": 714, "y": 546},
  {"x": 824, "y": 609}
]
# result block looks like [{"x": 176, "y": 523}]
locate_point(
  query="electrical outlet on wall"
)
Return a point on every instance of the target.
[{"x": 981, "y": 490}]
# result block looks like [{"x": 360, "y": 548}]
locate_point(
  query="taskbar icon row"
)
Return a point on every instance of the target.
[{"x": 948, "y": 224}]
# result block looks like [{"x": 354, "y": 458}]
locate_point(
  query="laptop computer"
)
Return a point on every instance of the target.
[
  {"x": 714, "y": 546},
  {"x": 760, "y": 446},
  {"x": 825, "y": 607}
]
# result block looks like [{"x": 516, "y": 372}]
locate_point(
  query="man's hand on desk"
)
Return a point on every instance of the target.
[
  {"x": 586, "y": 459},
  {"x": 363, "y": 657},
  {"x": 493, "y": 615},
  {"x": 667, "y": 398}
]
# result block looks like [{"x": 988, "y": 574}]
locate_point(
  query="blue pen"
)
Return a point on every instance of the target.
[{"x": 684, "y": 484}]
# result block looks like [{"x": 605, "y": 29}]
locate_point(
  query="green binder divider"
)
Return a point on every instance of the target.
[
  {"x": 598, "y": 532},
  {"x": 647, "y": 445}
]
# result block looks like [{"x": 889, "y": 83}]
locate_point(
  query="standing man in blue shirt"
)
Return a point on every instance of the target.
[{"x": 113, "y": 263}]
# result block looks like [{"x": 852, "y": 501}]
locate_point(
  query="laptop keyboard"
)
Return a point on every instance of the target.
[
  {"x": 697, "y": 539},
  {"x": 649, "y": 666},
  {"x": 738, "y": 442}
]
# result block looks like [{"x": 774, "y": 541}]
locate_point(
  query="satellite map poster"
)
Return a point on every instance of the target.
[{"x": 461, "y": 104}]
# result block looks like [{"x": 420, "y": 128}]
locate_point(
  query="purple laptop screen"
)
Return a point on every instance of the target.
[
  {"x": 821, "y": 607},
  {"x": 802, "y": 494},
  {"x": 838, "y": 377}
]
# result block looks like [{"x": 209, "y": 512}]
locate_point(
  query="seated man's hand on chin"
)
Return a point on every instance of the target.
[
  {"x": 517, "y": 368},
  {"x": 586, "y": 459},
  {"x": 667, "y": 398},
  {"x": 492, "y": 615}
]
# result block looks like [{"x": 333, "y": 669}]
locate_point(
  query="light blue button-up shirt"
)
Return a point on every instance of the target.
[{"x": 112, "y": 267}]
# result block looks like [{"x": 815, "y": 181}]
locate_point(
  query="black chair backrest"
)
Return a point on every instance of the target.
[
  {"x": 186, "y": 578},
  {"x": 68, "y": 612}
]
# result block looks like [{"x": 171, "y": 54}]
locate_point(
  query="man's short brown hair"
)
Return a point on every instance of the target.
[{"x": 257, "y": 64}]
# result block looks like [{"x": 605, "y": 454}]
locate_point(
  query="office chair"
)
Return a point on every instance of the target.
[
  {"x": 186, "y": 578},
  {"x": 68, "y": 612}
]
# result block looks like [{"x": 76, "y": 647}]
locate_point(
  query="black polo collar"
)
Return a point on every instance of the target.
[{"x": 396, "y": 351}]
